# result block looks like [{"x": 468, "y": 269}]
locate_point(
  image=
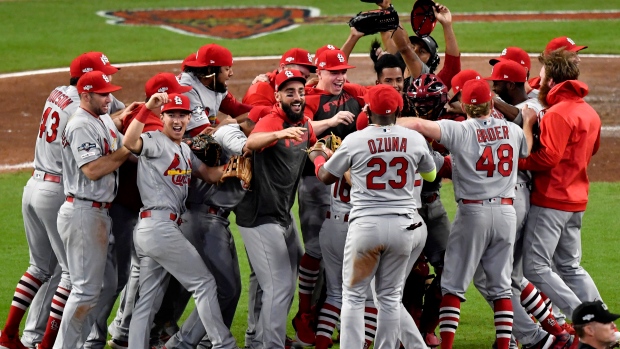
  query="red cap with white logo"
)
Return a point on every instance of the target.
[
  {"x": 91, "y": 61},
  {"x": 176, "y": 102},
  {"x": 287, "y": 75},
  {"x": 508, "y": 71},
  {"x": 212, "y": 55},
  {"x": 515, "y": 54},
  {"x": 563, "y": 42},
  {"x": 333, "y": 60},
  {"x": 383, "y": 99},
  {"x": 323, "y": 49},
  {"x": 476, "y": 92},
  {"x": 164, "y": 82},
  {"x": 96, "y": 82},
  {"x": 298, "y": 56}
]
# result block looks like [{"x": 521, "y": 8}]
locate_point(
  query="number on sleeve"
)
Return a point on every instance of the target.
[
  {"x": 486, "y": 162},
  {"x": 402, "y": 165}
]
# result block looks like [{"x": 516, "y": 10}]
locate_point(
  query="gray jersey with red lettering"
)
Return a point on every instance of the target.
[
  {"x": 85, "y": 139},
  {"x": 383, "y": 162},
  {"x": 60, "y": 105},
  {"x": 203, "y": 102},
  {"x": 484, "y": 156},
  {"x": 229, "y": 193},
  {"x": 532, "y": 103},
  {"x": 164, "y": 171}
]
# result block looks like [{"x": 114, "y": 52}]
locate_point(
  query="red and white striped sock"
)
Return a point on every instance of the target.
[
  {"x": 26, "y": 289},
  {"x": 534, "y": 304},
  {"x": 328, "y": 318},
  {"x": 503, "y": 322},
  {"x": 449, "y": 317},
  {"x": 309, "y": 268},
  {"x": 370, "y": 325},
  {"x": 53, "y": 323}
]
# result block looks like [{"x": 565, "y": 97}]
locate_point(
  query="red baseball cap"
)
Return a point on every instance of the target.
[
  {"x": 212, "y": 55},
  {"x": 323, "y": 49},
  {"x": 190, "y": 58},
  {"x": 563, "y": 42},
  {"x": 91, "y": 61},
  {"x": 476, "y": 92},
  {"x": 383, "y": 99},
  {"x": 177, "y": 102},
  {"x": 508, "y": 71},
  {"x": 515, "y": 54},
  {"x": 287, "y": 75},
  {"x": 333, "y": 60},
  {"x": 164, "y": 82},
  {"x": 462, "y": 77},
  {"x": 97, "y": 82},
  {"x": 298, "y": 56}
]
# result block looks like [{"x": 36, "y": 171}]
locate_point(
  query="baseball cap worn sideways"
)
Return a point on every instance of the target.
[
  {"x": 515, "y": 54},
  {"x": 298, "y": 56},
  {"x": 563, "y": 42},
  {"x": 476, "y": 92},
  {"x": 333, "y": 60},
  {"x": 383, "y": 99},
  {"x": 212, "y": 55},
  {"x": 287, "y": 75},
  {"x": 176, "y": 102},
  {"x": 96, "y": 82},
  {"x": 91, "y": 61},
  {"x": 428, "y": 41},
  {"x": 164, "y": 82},
  {"x": 508, "y": 71},
  {"x": 593, "y": 311}
]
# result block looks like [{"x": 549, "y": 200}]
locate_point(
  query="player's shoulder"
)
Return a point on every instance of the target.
[{"x": 187, "y": 79}]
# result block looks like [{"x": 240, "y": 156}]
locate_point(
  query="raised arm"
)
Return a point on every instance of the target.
[
  {"x": 132, "y": 138},
  {"x": 444, "y": 17},
  {"x": 342, "y": 117},
  {"x": 426, "y": 127}
]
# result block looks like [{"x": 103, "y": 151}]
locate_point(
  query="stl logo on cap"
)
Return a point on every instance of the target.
[
  {"x": 570, "y": 40},
  {"x": 104, "y": 60},
  {"x": 309, "y": 58},
  {"x": 289, "y": 73},
  {"x": 504, "y": 51},
  {"x": 340, "y": 58},
  {"x": 331, "y": 47},
  {"x": 105, "y": 77},
  {"x": 178, "y": 100}
]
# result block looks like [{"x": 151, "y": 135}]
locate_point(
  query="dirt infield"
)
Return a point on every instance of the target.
[{"x": 24, "y": 98}]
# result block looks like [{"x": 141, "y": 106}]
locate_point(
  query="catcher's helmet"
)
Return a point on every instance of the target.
[{"x": 427, "y": 95}]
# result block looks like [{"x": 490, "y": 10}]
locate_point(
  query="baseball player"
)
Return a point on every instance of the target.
[
  {"x": 595, "y": 326},
  {"x": 570, "y": 135},
  {"x": 206, "y": 226},
  {"x": 125, "y": 212},
  {"x": 207, "y": 75},
  {"x": 164, "y": 169},
  {"x": 383, "y": 175},
  {"x": 263, "y": 216},
  {"x": 91, "y": 154},
  {"x": 484, "y": 150}
]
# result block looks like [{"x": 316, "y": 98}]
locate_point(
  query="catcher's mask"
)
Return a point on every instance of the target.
[{"x": 428, "y": 95}]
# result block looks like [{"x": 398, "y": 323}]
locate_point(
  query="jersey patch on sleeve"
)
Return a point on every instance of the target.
[{"x": 86, "y": 146}]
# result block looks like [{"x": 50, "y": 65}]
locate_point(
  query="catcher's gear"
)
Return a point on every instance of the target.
[
  {"x": 239, "y": 167},
  {"x": 206, "y": 148},
  {"x": 375, "y": 21},
  {"x": 423, "y": 18},
  {"x": 427, "y": 95}
]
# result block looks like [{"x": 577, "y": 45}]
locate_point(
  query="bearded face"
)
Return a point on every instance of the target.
[
  {"x": 295, "y": 110},
  {"x": 544, "y": 91}
]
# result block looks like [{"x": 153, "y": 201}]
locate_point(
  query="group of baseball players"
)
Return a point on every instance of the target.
[{"x": 119, "y": 205}]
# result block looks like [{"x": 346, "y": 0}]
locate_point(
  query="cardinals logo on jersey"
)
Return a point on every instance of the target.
[{"x": 179, "y": 177}]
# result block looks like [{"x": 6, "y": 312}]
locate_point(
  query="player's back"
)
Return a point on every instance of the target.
[
  {"x": 484, "y": 156},
  {"x": 384, "y": 160},
  {"x": 59, "y": 106}
]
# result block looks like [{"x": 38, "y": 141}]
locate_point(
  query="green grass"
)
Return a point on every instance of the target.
[
  {"x": 599, "y": 236},
  {"x": 46, "y": 34}
]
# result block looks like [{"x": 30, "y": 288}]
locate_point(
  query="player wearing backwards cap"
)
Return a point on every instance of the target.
[
  {"x": 382, "y": 234},
  {"x": 570, "y": 136},
  {"x": 594, "y": 325},
  {"x": 165, "y": 166},
  {"x": 331, "y": 99},
  {"x": 126, "y": 209},
  {"x": 263, "y": 216},
  {"x": 207, "y": 75},
  {"x": 91, "y": 154},
  {"x": 40, "y": 209},
  {"x": 484, "y": 150}
]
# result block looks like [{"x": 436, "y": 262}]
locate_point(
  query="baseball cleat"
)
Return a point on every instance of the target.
[
  {"x": 118, "y": 344},
  {"x": 10, "y": 342},
  {"x": 303, "y": 325}
]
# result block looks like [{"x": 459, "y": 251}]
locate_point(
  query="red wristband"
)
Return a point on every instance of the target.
[
  {"x": 318, "y": 162},
  {"x": 143, "y": 115}
]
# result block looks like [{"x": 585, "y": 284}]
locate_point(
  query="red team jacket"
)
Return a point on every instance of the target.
[{"x": 570, "y": 135}]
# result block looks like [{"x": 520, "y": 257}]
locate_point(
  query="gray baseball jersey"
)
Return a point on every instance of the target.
[
  {"x": 340, "y": 198},
  {"x": 164, "y": 171},
  {"x": 532, "y": 103},
  {"x": 203, "y": 102},
  {"x": 383, "y": 162},
  {"x": 496, "y": 144},
  {"x": 85, "y": 139}
]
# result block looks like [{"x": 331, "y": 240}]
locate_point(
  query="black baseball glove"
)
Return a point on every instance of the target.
[
  {"x": 375, "y": 21},
  {"x": 206, "y": 148}
]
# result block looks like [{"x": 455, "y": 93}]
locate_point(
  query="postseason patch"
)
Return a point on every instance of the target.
[{"x": 86, "y": 146}]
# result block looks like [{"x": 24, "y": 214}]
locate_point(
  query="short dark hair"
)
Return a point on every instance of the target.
[
  {"x": 388, "y": 60},
  {"x": 580, "y": 330},
  {"x": 201, "y": 72},
  {"x": 73, "y": 81}
]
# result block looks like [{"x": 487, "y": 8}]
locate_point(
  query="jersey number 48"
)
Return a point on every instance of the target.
[{"x": 487, "y": 161}]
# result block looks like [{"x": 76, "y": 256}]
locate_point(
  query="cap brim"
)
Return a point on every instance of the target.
[
  {"x": 176, "y": 108},
  {"x": 494, "y": 61},
  {"x": 311, "y": 67},
  {"x": 181, "y": 89},
  {"x": 491, "y": 78},
  {"x": 578, "y": 48},
  {"x": 338, "y": 67},
  {"x": 109, "y": 69},
  {"x": 454, "y": 98},
  {"x": 107, "y": 89},
  {"x": 195, "y": 64},
  {"x": 611, "y": 317}
]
